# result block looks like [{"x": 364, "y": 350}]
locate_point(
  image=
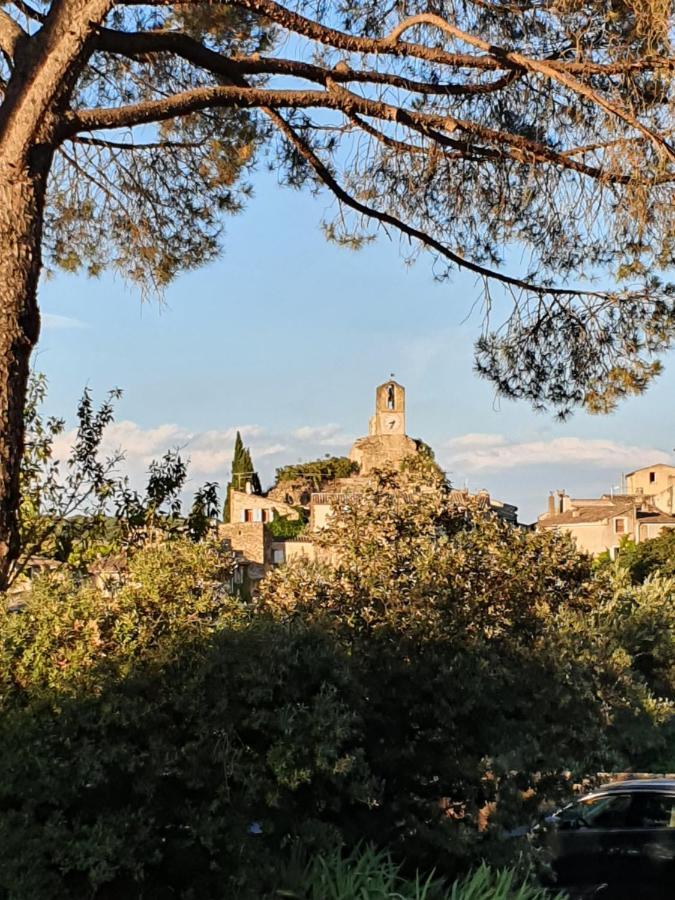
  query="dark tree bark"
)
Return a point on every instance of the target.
[{"x": 22, "y": 194}]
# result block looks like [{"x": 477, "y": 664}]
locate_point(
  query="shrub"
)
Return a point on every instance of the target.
[
  {"x": 426, "y": 695},
  {"x": 372, "y": 875},
  {"x": 485, "y": 668},
  {"x": 652, "y": 557},
  {"x": 143, "y": 733},
  {"x": 282, "y": 528},
  {"x": 317, "y": 470}
]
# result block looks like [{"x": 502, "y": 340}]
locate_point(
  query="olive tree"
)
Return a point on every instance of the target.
[{"x": 473, "y": 128}]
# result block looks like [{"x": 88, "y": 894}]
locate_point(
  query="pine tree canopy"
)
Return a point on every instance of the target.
[
  {"x": 538, "y": 133},
  {"x": 529, "y": 142}
]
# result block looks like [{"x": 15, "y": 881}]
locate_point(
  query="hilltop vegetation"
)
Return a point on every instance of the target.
[{"x": 316, "y": 471}]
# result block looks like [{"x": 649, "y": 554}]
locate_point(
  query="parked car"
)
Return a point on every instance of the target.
[{"x": 617, "y": 842}]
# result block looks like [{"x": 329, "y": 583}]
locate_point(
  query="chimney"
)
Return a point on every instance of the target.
[
  {"x": 561, "y": 502},
  {"x": 551, "y": 504}
]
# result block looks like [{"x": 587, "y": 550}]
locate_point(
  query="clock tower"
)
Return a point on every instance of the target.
[
  {"x": 389, "y": 418},
  {"x": 387, "y": 443}
]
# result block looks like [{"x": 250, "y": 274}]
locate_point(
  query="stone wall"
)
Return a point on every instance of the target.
[
  {"x": 656, "y": 482},
  {"x": 258, "y": 504},
  {"x": 381, "y": 450},
  {"x": 248, "y": 538}
]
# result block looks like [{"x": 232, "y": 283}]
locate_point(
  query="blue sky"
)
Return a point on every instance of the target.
[{"x": 286, "y": 337}]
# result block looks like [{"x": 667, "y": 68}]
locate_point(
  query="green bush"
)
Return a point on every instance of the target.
[
  {"x": 282, "y": 528},
  {"x": 143, "y": 733},
  {"x": 425, "y": 695},
  {"x": 317, "y": 470},
  {"x": 652, "y": 557}
]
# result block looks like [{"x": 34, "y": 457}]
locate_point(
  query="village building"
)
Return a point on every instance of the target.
[
  {"x": 641, "y": 512},
  {"x": 250, "y": 529},
  {"x": 656, "y": 484}
]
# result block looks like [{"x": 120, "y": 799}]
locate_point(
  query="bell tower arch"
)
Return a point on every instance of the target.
[{"x": 389, "y": 418}]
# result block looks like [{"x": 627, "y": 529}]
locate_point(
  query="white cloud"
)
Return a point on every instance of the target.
[
  {"x": 210, "y": 452},
  {"x": 475, "y": 439},
  {"x": 325, "y": 435},
  {"x": 492, "y": 452},
  {"x": 54, "y": 322}
]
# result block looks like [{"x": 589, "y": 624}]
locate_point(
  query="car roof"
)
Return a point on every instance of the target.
[{"x": 631, "y": 785}]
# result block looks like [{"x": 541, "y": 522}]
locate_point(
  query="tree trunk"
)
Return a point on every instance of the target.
[{"x": 21, "y": 212}]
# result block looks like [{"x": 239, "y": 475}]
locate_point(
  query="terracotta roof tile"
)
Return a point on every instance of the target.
[{"x": 581, "y": 515}]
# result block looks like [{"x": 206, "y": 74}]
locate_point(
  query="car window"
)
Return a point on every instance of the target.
[
  {"x": 654, "y": 811},
  {"x": 607, "y": 811}
]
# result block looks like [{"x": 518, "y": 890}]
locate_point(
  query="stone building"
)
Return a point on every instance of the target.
[
  {"x": 386, "y": 445},
  {"x": 656, "y": 484},
  {"x": 598, "y": 525},
  {"x": 245, "y": 506}
]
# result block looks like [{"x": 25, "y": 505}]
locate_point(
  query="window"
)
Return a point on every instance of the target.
[
  {"x": 620, "y": 526},
  {"x": 257, "y": 515},
  {"x": 608, "y": 811},
  {"x": 248, "y": 515},
  {"x": 278, "y": 557},
  {"x": 652, "y": 477},
  {"x": 654, "y": 811}
]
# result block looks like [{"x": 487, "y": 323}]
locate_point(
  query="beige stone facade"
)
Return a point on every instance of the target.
[
  {"x": 258, "y": 508},
  {"x": 387, "y": 444},
  {"x": 598, "y": 525},
  {"x": 655, "y": 483},
  {"x": 251, "y": 539},
  {"x": 380, "y": 451}
]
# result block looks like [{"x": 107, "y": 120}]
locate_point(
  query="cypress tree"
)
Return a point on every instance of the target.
[{"x": 242, "y": 471}]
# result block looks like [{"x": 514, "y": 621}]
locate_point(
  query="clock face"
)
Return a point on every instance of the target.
[{"x": 390, "y": 423}]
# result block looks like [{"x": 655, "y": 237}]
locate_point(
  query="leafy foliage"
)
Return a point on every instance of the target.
[
  {"x": 641, "y": 620},
  {"x": 316, "y": 471},
  {"x": 287, "y": 529},
  {"x": 150, "y": 207},
  {"x": 64, "y": 508},
  {"x": 485, "y": 663},
  {"x": 68, "y": 505},
  {"x": 372, "y": 875},
  {"x": 141, "y": 738},
  {"x": 652, "y": 557},
  {"x": 427, "y": 694}
]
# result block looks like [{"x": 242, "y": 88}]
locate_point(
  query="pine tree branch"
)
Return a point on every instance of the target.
[
  {"x": 29, "y": 11},
  {"x": 326, "y": 177},
  {"x": 519, "y": 148},
  {"x": 541, "y": 67},
  {"x": 11, "y": 35},
  {"x": 106, "y": 144},
  {"x": 391, "y": 46},
  {"x": 142, "y": 43}
]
